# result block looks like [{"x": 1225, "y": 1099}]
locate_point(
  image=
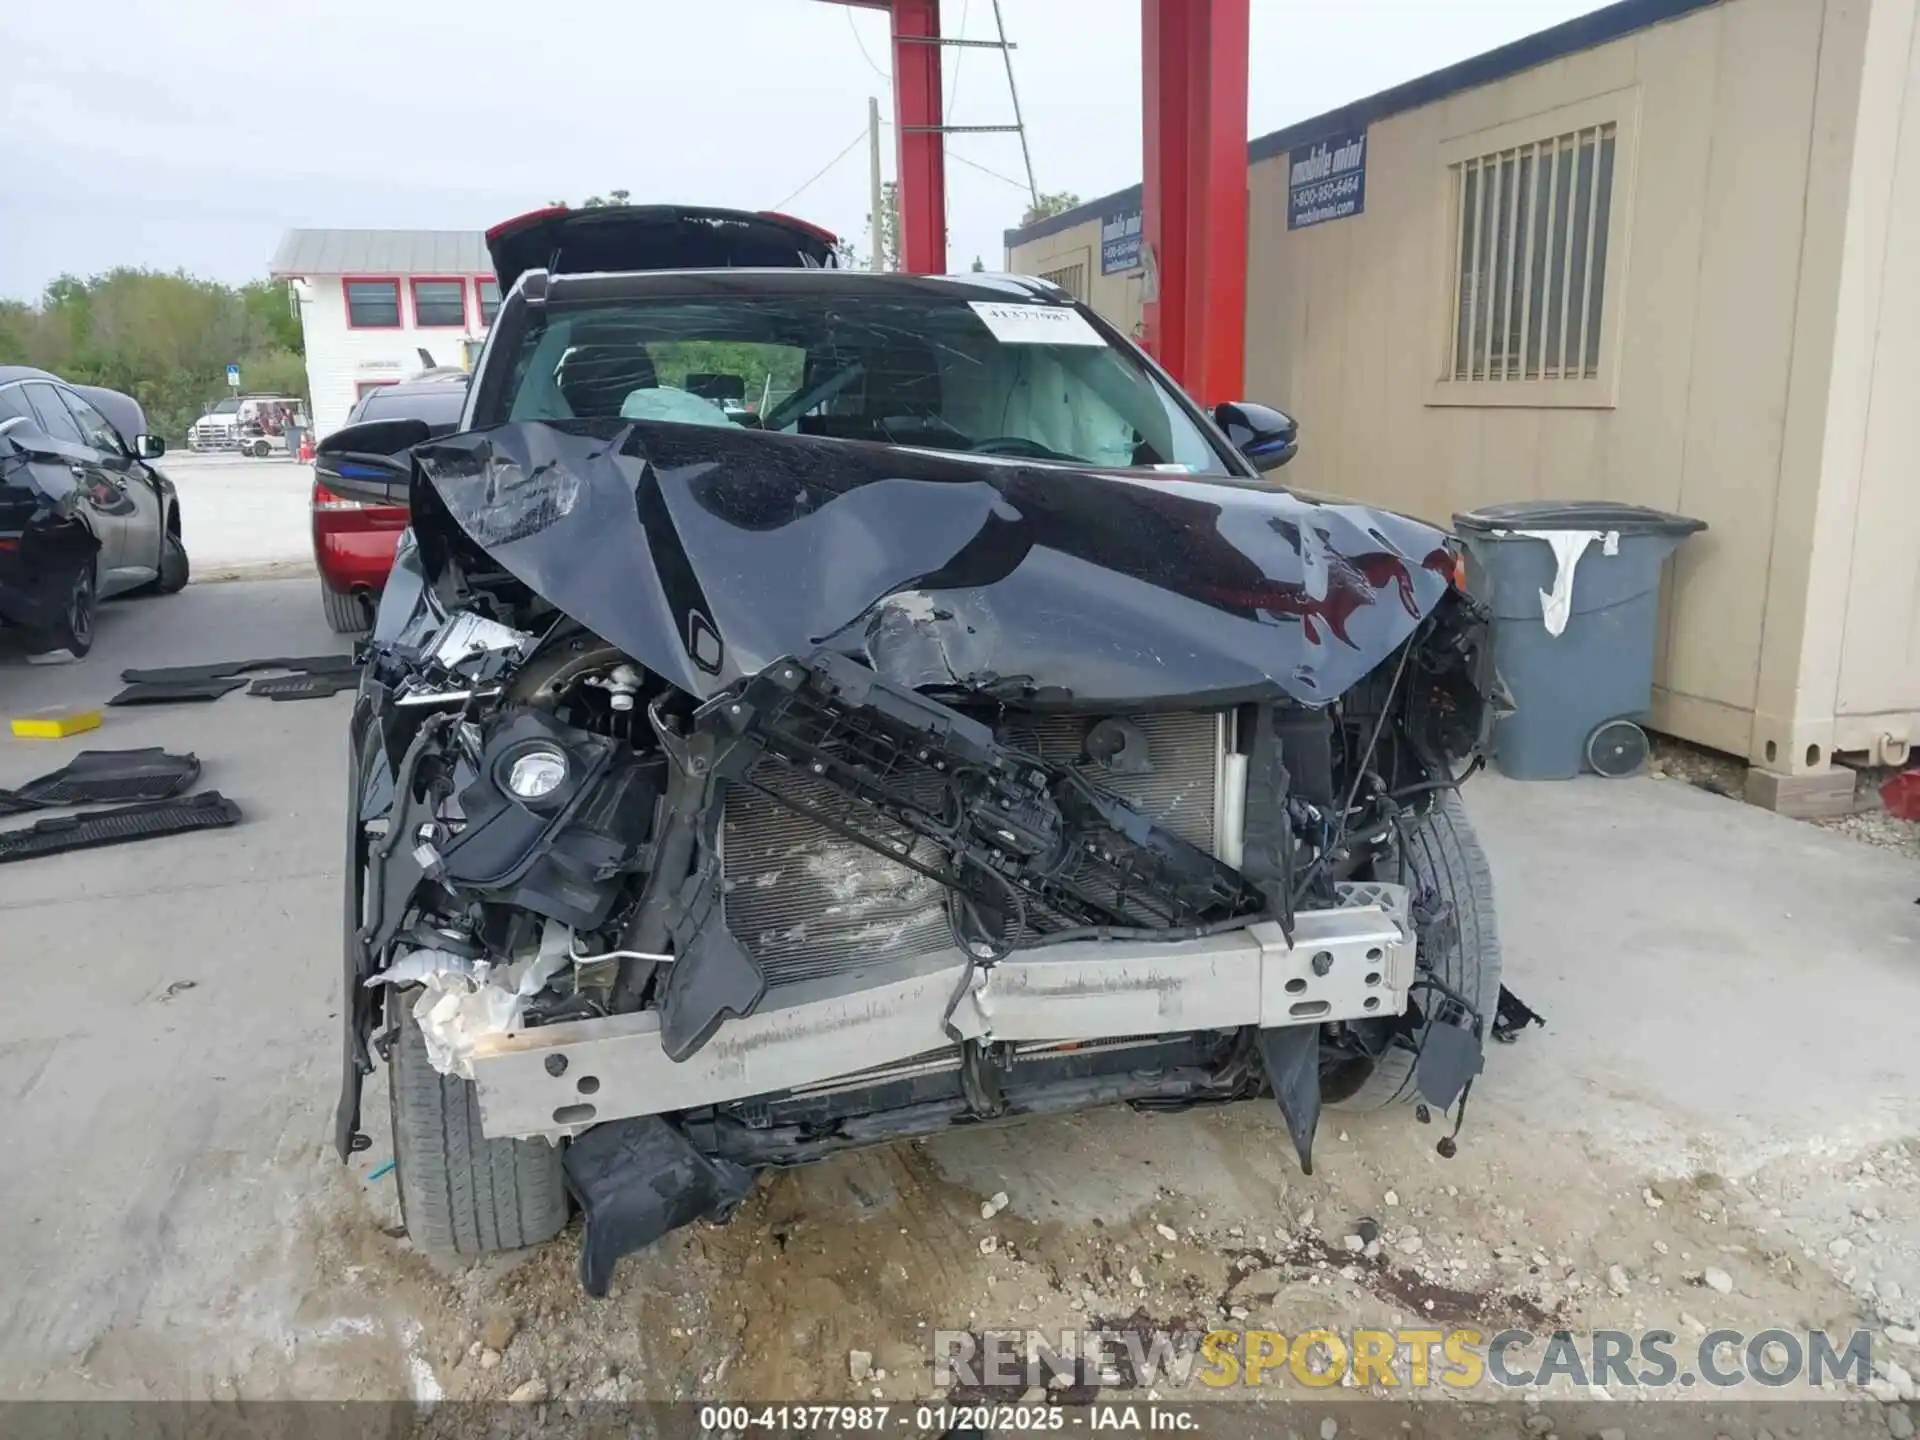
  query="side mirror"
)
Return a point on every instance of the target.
[
  {"x": 1269, "y": 438},
  {"x": 149, "y": 447}
]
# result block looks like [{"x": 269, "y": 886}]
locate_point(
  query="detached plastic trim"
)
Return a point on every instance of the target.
[
  {"x": 99, "y": 777},
  {"x": 91, "y": 831}
]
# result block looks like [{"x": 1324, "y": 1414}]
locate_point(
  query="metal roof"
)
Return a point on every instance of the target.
[
  {"x": 1584, "y": 32},
  {"x": 381, "y": 252}
]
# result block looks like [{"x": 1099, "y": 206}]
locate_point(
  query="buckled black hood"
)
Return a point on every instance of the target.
[{"x": 706, "y": 553}]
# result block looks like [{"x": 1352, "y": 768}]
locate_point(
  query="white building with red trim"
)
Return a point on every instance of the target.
[{"x": 375, "y": 304}]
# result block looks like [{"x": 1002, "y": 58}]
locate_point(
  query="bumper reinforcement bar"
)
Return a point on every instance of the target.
[{"x": 1348, "y": 963}]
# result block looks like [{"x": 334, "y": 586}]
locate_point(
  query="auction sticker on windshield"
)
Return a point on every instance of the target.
[{"x": 1036, "y": 324}]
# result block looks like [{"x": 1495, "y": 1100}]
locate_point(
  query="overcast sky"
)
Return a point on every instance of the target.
[{"x": 191, "y": 134}]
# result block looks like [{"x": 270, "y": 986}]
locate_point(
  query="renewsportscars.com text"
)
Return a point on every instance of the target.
[{"x": 1410, "y": 1358}]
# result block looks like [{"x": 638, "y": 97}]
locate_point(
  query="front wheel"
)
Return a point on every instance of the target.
[
  {"x": 461, "y": 1193},
  {"x": 1449, "y": 874},
  {"x": 173, "y": 565},
  {"x": 73, "y": 631}
]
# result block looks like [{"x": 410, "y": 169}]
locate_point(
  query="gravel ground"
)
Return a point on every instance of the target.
[
  {"x": 1877, "y": 827},
  {"x": 1719, "y": 774},
  {"x": 824, "y": 1287}
]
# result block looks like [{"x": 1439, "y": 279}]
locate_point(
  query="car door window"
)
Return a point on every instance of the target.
[
  {"x": 13, "y": 405},
  {"x": 94, "y": 426},
  {"x": 53, "y": 415}
]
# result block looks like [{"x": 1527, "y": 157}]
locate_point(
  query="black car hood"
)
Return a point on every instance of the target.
[
  {"x": 652, "y": 237},
  {"x": 708, "y": 553}
]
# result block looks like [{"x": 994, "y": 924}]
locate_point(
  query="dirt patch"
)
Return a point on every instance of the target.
[
  {"x": 831, "y": 1283},
  {"x": 1698, "y": 766}
]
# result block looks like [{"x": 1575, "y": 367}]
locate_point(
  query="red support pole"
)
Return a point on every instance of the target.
[
  {"x": 1164, "y": 73},
  {"x": 1217, "y": 202},
  {"x": 1194, "y": 69},
  {"x": 922, "y": 153}
]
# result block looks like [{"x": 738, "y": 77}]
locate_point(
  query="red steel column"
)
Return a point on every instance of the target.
[
  {"x": 1164, "y": 72},
  {"x": 1217, "y": 203},
  {"x": 1194, "y": 68},
  {"x": 922, "y": 154}
]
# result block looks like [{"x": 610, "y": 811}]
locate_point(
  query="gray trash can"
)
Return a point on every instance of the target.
[{"x": 1574, "y": 586}]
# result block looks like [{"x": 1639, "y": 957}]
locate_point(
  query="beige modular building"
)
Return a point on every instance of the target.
[{"x": 1668, "y": 253}]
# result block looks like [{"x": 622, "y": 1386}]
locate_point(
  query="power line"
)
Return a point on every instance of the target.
[
  {"x": 847, "y": 10},
  {"x": 781, "y": 205},
  {"x": 976, "y": 165},
  {"x": 1019, "y": 124},
  {"x": 959, "y": 54}
]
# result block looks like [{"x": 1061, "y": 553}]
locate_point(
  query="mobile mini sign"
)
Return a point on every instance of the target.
[
  {"x": 1327, "y": 180},
  {"x": 1120, "y": 241}
]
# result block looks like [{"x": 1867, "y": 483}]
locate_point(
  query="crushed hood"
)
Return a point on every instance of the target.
[{"x": 706, "y": 553}]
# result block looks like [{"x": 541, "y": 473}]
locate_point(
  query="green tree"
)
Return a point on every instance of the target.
[
  {"x": 165, "y": 339},
  {"x": 594, "y": 202},
  {"x": 1054, "y": 203},
  {"x": 275, "y": 310},
  {"x": 890, "y": 230}
]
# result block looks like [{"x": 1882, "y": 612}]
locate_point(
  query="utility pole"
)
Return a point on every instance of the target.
[
  {"x": 1019, "y": 125},
  {"x": 876, "y": 199}
]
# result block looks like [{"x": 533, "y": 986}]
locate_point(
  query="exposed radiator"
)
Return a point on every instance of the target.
[{"x": 806, "y": 903}]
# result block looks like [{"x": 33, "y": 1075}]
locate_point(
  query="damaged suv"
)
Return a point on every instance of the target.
[{"x": 967, "y": 732}]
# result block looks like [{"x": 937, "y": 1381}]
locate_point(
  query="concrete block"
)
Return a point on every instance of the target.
[{"x": 1820, "y": 796}]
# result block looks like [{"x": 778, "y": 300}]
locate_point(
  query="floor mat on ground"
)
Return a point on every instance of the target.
[
  {"x": 221, "y": 669},
  {"x": 127, "y": 823},
  {"x": 168, "y": 692},
  {"x": 302, "y": 687},
  {"x": 97, "y": 777}
]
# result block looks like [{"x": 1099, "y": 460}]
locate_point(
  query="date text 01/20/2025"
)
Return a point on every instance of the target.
[{"x": 942, "y": 1419}]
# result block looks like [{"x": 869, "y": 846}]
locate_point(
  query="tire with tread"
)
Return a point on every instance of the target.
[
  {"x": 1448, "y": 865},
  {"x": 174, "y": 569},
  {"x": 73, "y": 631},
  {"x": 346, "y": 614},
  {"x": 460, "y": 1192}
]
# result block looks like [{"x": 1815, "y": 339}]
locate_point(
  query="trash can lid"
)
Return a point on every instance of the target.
[{"x": 1576, "y": 515}]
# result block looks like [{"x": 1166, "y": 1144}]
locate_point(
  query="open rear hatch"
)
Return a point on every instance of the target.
[{"x": 653, "y": 237}]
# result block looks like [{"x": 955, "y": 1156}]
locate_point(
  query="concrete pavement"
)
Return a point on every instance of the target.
[
  {"x": 1726, "y": 990},
  {"x": 242, "y": 517},
  {"x": 166, "y": 1050}
]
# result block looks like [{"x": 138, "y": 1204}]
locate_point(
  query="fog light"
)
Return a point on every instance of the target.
[{"x": 537, "y": 773}]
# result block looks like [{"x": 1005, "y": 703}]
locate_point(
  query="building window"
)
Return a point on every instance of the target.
[
  {"x": 486, "y": 290},
  {"x": 1070, "y": 278},
  {"x": 364, "y": 388},
  {"x": 1533, "y": 235},
  {"x": 440, "y": 303},
  {"x": 373, "y": 304}
]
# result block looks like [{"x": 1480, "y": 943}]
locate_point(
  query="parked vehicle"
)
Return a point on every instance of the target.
[
  {"x": 353, "y": 540},
  {"x": 83, "y": 515},
  {"x": 973, "y": 734},
  {"x": 251, "y": 424}
]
